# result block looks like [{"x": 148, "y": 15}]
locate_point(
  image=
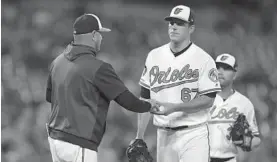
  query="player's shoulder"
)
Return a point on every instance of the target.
[
  {"x": 201, "y": 53},
  {"x": 243, "y": 99}
]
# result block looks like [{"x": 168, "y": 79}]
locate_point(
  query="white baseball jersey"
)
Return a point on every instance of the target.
[
  {"x": 223, "y": 114},
  {"x": 179, "y": 79}
]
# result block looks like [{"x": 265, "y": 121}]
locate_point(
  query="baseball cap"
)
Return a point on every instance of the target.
[
  {"x": 227, "y": 59},
  {"x": 181, "y": 12},
  {"x": 88, "y": 23}
]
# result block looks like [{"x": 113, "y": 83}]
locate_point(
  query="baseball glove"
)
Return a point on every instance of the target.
[
  {"x": 137, "y": 151},
  {"x": 240, "y": 133}
]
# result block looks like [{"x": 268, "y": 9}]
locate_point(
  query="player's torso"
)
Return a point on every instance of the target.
[
  {"x": 222, "y": 116},
  {"x": 170, "y": 76},
  {"x": 226, "y": 111},
  {"x": 175, "y": 80}
]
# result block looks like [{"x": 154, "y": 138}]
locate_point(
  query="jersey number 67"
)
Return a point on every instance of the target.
[{"x": 186, "y": 94}]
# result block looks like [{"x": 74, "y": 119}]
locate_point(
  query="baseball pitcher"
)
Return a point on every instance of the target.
[{"x": 182, "y": 78}]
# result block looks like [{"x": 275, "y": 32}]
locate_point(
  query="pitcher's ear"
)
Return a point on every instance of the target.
[
  {"x": 191, "y": 28},
  {"x": 235, "y": 75}
]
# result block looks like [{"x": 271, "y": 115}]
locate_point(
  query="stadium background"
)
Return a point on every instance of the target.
[{"x": 34, "y": 32}]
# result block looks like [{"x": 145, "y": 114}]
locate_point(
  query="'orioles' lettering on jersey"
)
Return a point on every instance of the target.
[
  {"x": 167, "y": 77},
  {"x": 225, "y": 114},
  {"x": 179, "y": 79},
  {"x": 222, "y": 115}
]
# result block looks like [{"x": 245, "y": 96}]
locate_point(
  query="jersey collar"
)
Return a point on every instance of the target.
[
  {"x": 233, "y": 92},
  {"x": 182, "y": 51}
]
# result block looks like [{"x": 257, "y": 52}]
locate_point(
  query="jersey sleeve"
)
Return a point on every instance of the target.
[
  {"x": 145, "y": 76},
  {"x": 108, "y": 82},
  {"x": 251, "y": 118},
  {"x": 208, "y": 79}
]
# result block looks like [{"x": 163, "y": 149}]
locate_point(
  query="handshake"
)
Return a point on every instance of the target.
[{"x": 160, "y": 108}]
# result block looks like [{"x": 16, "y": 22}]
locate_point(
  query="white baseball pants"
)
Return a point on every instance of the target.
[
  {"x": 66, "y": 152},
  {"x": 185, "y": 145}
]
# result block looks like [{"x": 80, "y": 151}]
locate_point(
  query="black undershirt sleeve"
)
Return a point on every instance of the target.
[
  {"x": 130, "y": 102},
  {"x": 211, "y": 95},
  {"x": 145, "y": 93}
]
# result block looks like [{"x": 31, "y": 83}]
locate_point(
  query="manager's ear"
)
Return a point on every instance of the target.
[{"x": 93, "y": 33}]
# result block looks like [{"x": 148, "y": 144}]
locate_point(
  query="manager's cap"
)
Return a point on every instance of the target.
[
  {"x": 88, "y": 23},
  {"x": 181, "y": 12},
  {"x": 227, "y": 59}
]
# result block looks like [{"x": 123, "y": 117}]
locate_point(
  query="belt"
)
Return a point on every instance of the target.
[
  {"x": 220, "y": 159},
  {"x": 183, "y": 127}
]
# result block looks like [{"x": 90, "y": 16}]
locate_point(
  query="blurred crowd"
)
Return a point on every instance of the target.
[{"x": 34, "y": 32}]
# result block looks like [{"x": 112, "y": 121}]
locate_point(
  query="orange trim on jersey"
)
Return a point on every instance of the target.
[
  {"x": 220, "y": 121},
  {"x": 144, "y": 85},
  {"x": 209, "y": 91},
  {"x": 159, "y": 88}
]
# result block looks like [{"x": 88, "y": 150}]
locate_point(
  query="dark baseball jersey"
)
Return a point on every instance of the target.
[{"x": 81, "y": 88}]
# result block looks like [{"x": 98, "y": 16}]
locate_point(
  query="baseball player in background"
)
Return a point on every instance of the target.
[
  {"x": 182, "y": 78},
  {"x": 228, "y": 104}
]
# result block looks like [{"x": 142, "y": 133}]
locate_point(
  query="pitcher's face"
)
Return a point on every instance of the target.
[{"x": 179, "y": 30}]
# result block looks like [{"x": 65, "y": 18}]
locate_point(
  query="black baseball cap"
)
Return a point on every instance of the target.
[{"x": 88, "y": 23}]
